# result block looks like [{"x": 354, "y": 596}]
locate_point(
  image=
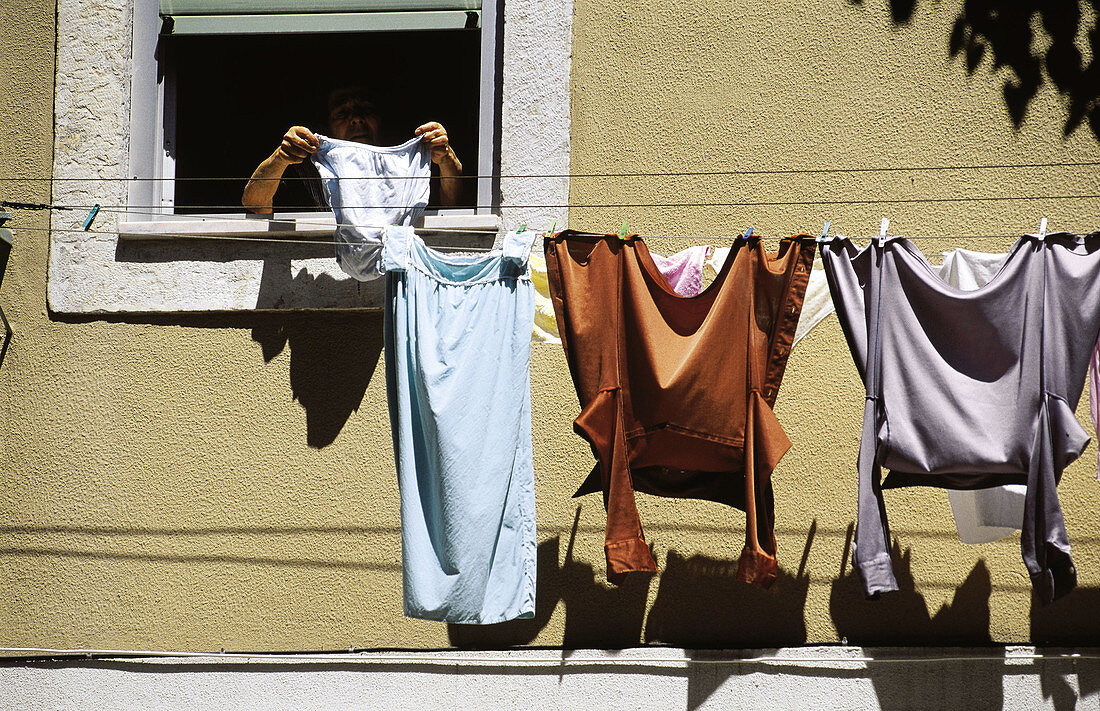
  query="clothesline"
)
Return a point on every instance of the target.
[
  {"x": 325, "y": 242},
  {"x": 299, "y": 221},
  {"x": 780, "y": 171},
  {"x": 596, "y": 206}
]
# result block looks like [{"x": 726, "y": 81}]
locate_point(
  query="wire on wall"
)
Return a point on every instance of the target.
[
  {"x": 572, "y": 205},
  {"x": 662, "y": 174}
]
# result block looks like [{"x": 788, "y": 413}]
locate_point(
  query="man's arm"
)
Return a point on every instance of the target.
[
  {"x": 450, "y": 167},
  {"x": 298, "y": 143}
]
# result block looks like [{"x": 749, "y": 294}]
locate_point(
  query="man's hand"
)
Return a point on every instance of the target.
[
  {"x": 450, "y": 167},
  {"x": 435, "y": 136},
  {"x": 298, "y": 143}
]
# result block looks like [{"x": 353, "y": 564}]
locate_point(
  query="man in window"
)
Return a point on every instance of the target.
[{"x": 351, "y": 117}]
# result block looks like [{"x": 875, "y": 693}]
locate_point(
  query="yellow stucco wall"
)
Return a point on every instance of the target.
[
  {"x": 790, "y": 85},
  {"x": 159, "y": 490}
]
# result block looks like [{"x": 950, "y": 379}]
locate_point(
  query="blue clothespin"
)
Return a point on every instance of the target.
[
  {"x": 748, "y": 233},
  {"x": 91, "y": 217}
]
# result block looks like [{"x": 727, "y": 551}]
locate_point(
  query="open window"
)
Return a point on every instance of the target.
[
  {"x": 140, "y": 114},
  {"x": 218, "y": 82}
]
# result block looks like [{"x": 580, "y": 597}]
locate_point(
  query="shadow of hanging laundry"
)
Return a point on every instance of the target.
[
  {"x": 597, "y": 615},
  {"x": 901, "y": 617},
  {"x": 332, "y": 360},
  {"x": 701, "y": 605}
]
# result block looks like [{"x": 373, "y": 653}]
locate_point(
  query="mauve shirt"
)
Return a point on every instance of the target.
[
  {"x": 970, "y": 389},
  {"x": 677, "y": 392}
]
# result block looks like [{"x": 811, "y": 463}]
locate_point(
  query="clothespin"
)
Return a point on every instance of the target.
[
  {"x": 1042, "y": 228},
  {"x": 622, "y": 232},
  {"x": 882, "y": 231},
  {"x": 748, "y": 233},
  {"x": 522, "y": 228},
  {"x": 825, "y": 230},
  {"x": 91, "y": 217},
  {"x": 553, "y": 226}
]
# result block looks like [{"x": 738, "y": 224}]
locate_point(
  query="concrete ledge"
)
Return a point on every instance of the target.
[{"x": 797, "y": 677}]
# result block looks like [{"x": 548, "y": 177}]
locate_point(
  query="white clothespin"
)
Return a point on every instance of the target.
[
  {"x": 825, "y": 230},
  {"x": 882, "y": 231},
  {"x": 1042, "y": 228}
]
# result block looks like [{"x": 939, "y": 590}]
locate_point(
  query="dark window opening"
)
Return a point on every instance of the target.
[{"x": 237, "y": 95}]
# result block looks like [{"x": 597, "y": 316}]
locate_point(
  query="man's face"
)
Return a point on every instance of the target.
[{"x": 354, "y": 120}]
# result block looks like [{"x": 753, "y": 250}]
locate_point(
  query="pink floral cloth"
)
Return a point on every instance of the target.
[{"x": 683, "y": 270}]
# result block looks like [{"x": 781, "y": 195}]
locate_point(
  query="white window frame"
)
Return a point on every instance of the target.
[
  {"x": 152, "y": 146},
  {"x": 137, "y": 264}
]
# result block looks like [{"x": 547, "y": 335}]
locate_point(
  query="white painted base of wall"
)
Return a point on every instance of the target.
[{"x": 803, "y": 678}]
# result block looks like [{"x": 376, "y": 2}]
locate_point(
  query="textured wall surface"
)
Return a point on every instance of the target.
[
  {"x": 795, "y": 86},
  {"x": 204, "y": 482},
  {"x": 535, "y": 117}
]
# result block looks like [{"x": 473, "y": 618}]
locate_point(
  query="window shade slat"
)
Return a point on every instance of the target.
[
  {"x": 281, "y": 7},
  {"x": 321, "y": 22}
]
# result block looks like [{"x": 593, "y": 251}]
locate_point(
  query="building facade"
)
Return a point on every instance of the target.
[{"x": 196, "y": 453}]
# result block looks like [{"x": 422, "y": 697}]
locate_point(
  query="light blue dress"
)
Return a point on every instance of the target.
[{"x": 458, "y": 346}]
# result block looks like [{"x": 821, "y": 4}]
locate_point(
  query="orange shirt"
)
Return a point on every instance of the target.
[{"x": 677, "y": 392}]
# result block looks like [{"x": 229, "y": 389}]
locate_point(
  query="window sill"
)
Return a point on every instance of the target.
[{"x": 195, "y": 264}]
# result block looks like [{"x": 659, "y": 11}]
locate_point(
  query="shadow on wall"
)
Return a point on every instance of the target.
[
  {"x": 701, "y": 605},
  {"x": 332, "y": 355},
  {"x": 1004, "y": 30},
  {"x": 1068, "y": 621},
  {"x": 901, "y": 617},
  {"x": 332, "y": 360},
  {"x": 596, "y": 616}
]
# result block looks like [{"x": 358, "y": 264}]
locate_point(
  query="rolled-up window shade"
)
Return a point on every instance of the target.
[{"x": 201, "y": 17}]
